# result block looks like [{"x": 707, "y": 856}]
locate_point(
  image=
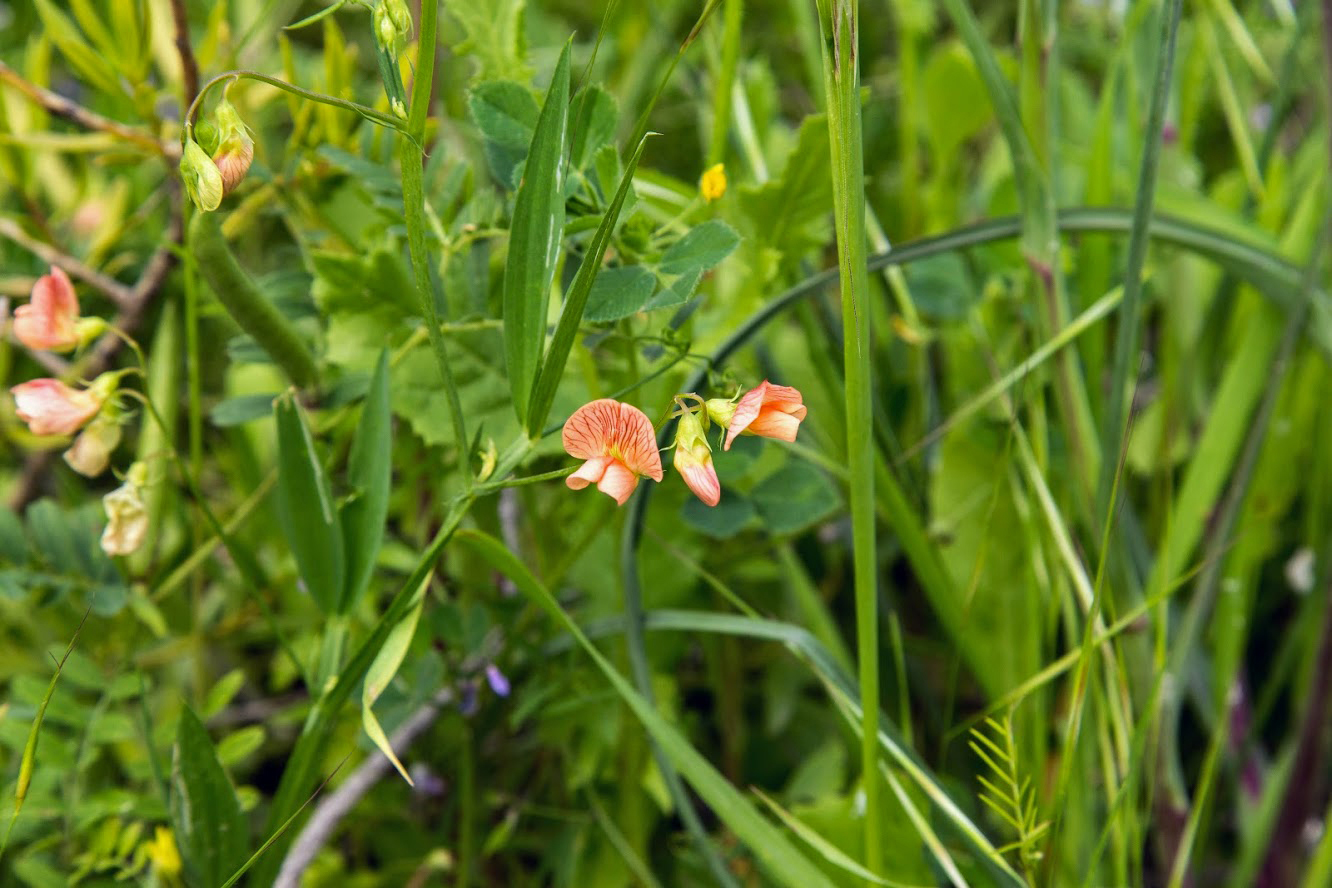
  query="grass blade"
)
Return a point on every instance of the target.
[{"x": 770, "y": 846}]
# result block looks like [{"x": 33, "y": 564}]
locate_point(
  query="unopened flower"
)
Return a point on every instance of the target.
[
  {"x": 693, "y": 459},
  {"x": 772, "y": 411},
  {"x": 235, "y": 148},
  {"x": 393, "y": 25},
  {"x": 202, "y": 178},
  {"x": 127, "y": 516},
  {"x": 713, "y": 184},
  {"x": 93, "y": 447},
  {"x": 617, "y": 442},
  {"x": 50, "y": 407}
]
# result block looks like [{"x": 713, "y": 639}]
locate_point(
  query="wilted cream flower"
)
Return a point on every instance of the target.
[
  {"x": 92, "y": 448},
  {"x": 127, "y": 516}
]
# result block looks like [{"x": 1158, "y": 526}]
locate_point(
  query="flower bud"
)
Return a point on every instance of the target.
[
  {"x": 127, "y": 516},
  {"x": 693, "y": 459},
  {"x": 93, "y": 447},
  {"x": 235, "y": 148},
  {"x": 393, "y": 25},
  {"x": 203, "y": 180}
]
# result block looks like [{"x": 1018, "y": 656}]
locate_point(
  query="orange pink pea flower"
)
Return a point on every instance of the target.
[
  {"x": 617, "y": 441},
  {"x": 772, "y": 411},
  {"x": 50, "y": 407},
  {"x": 50, "y": 320}
]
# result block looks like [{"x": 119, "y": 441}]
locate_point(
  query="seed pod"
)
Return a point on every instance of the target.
[{"x": 247, "y": 306}]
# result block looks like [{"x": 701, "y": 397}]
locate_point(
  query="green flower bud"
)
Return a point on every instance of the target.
[
  {"x": 393, "y": 25},
  {"x": 206, "y": 135},
  {"x": 203, "y": 180}
]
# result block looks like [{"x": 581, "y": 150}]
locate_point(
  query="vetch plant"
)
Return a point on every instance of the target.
[{"x": 616, "y": 439}]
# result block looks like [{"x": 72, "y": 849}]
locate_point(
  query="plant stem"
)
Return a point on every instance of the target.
[
  {"x": 841, "y": 79},
  {"x": 411, "y": 157}
]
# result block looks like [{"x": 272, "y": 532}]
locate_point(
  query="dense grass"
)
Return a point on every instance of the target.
[{"x": 1048, "y": 559}]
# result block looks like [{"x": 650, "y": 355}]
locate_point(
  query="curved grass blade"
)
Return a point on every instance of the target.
[
  {"x": 29, "y": 761},
  {"x": 534, "y": 241},
  {"x": 842, "y": 688},
  {"x": 769, "y": 845}
]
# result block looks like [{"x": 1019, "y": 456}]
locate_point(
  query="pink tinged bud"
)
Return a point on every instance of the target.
[
  {"x": 693, "y": 459},
  {"x": 93, "y": 447},
  {"x": 772, "y": 411},
  {"x": 235, "y": 149},
  {"x": 127, "y": 516},
  {"x": 233, "y": 162},
  {"x": 616, "y": 440},
  {"x": 50, "y": 320},
  {"x": 50, "y": 407}
]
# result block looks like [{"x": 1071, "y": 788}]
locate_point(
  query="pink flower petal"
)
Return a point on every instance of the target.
[
  {"x": 50, "y": 407},
  {"x": 775, "y": 424},
  {"x": 48, "y": 321},
  {"x": 590, "y": 473},
  {"x": 773, "y": 411},
  {"x": 618, "y": 482},
  {"x": 701, "y": 478},
  {"x": 606, "y": 427}
]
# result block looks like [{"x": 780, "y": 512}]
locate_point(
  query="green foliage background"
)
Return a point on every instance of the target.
[{"x": 1105, "y": 656}]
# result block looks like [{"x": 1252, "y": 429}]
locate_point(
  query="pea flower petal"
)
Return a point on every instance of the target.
[
  {"x": 772, "y": 411},
  {"x": 50, "y": 320},
  {"x": 50, "y": 407},
  {"x": 617, "y": 443}
]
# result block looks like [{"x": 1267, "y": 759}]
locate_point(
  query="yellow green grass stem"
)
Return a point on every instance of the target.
[
  {"x": 839, "y": 24},
  {"x": 1126, "y": 341}
]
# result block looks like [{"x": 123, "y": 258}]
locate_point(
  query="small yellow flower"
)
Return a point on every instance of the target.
[
  {"x": 163, "y": 853},
  {"x": 713, "y": 183}
]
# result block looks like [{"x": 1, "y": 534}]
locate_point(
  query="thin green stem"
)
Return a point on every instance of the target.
[
  {"x": 1126, "y": 342},
  {"x": 370, "y": 114},
  {"x": 839, "y": 20},
  {"x": 411, "y": 157}
]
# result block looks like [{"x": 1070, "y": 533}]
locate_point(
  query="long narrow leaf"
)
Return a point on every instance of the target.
[
  {"x": 370, "y": 471},
  {"x": 572, "y": 314},
  {"x": 381, "y": 672},
  {"x": 534, "y": 240},
  {"x": 305, "y": 507},
  {"x": 205, "y": 814}
]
